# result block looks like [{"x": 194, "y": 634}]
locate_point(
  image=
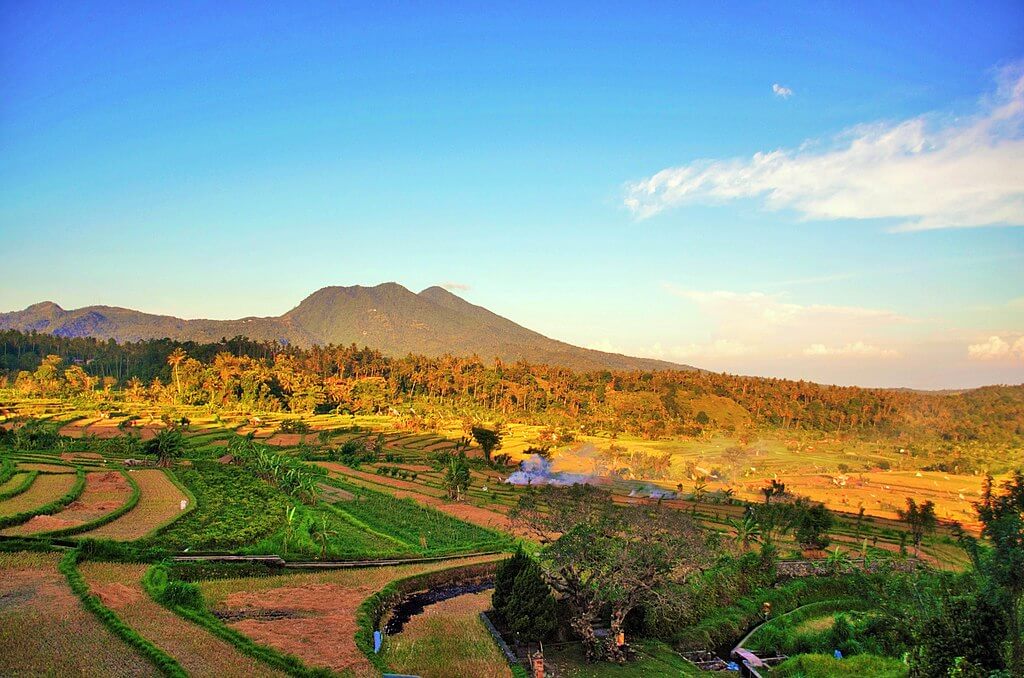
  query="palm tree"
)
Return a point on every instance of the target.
[
  {"x": 747, "y": 531},
  {"x": 175, "y": 359}
]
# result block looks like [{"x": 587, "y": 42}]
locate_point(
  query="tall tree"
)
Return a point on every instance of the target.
[
  {"x": 921, "y": 520},
  {"x": 488, "y": 439}
]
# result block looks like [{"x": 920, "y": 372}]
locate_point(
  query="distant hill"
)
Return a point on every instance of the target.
[{"x": 387, "y": 317}]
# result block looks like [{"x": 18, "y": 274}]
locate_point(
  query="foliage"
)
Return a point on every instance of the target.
[
  {"x": 1002, "y": 562},
  {"x": 920, "y": 518},
  {"x": 826, "y": 666},
  {"x": 488, "y": 439},
  {"x": 456, "y": 476},
  {"x": 233, "y": 509},
  {"x": 291, "y": 475},
  {"x": 812, "y": 526},
  {"x": 505, "y": 577},
  {"x": 168, "y": 444},
  {"x": 266, "y": 376},
  {"x": 530, "y": 610},
  {"x": 600, "y": 556}
]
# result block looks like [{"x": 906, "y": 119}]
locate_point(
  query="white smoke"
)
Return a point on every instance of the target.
[{"x": 536, "y": 470}]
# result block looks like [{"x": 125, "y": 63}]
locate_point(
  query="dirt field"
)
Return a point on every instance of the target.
[
  {"x": 44, "y": 630},
  {"x": 448, "y": 640},
  {"x": 159, "y": 502},
  {"x": 310, "y": 615},
  {"x": 105, "y": 491},
  {"x": 199, "y": 652}
]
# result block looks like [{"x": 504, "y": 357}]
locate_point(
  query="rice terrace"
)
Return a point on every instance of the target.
[{"x": 512, "y": 340}]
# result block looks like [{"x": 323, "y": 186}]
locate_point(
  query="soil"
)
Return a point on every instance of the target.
[{"x": 328, "y": 614}]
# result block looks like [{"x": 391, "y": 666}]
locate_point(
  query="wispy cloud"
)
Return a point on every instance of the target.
[
  {"x": 927, "y": 172},
  {"x": 781, "y": 91},
  {"x": 456, "y": 287},
  {"x": 857, "y": 349}
]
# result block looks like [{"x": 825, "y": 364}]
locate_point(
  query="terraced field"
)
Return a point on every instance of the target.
[
  {"x": 105, "y": 492},
  {"x": 200, "y": 653},
  {"x": 160, "y": 502},
  {"x": 44, "y": 630},
  {"x": 45, "y": 489},
  {"x": 311, "y": 615}
]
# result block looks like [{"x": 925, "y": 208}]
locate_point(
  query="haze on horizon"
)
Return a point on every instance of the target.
[{"x": 823, "y": 193}]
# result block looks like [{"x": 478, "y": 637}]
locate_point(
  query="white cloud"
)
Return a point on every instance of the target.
[
  {"x": 456, "y": 287},
  {"x": 720, "y": 348},
  {"x": 781, "y": 91},
  {"x": 997, "y": 348},
  {"x": 928, "y": 172},
  {"x": 856, "y": 349}
]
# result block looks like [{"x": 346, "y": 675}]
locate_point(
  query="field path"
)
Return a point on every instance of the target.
[
  {"x": 45, "y": 631},
  {"x": 159, "y": 503},
  {"x": 198, "y": 651}
]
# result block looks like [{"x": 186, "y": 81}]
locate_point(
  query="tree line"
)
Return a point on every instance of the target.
[{"x": 253, "y": 376}]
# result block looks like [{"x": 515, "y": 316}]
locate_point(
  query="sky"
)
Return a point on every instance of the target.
[{"x": 821, "y": 191}]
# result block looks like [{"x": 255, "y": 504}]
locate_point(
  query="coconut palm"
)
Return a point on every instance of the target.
[{"x": 175, "y": 359}]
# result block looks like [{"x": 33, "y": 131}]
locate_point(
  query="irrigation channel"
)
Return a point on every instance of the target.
[{"x": 415, "y": 603}]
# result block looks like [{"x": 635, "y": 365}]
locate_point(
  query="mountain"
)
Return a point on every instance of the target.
[{"x": 387, "y": 317}]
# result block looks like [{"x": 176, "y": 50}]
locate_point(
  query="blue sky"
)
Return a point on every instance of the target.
[{"x": 587, "y": 170}]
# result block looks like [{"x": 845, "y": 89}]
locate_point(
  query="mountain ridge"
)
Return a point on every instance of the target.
[{"x": 388, "y": 317}]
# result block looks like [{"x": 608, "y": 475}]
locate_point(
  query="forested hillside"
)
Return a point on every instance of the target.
[{"x": 266, "y": 376}]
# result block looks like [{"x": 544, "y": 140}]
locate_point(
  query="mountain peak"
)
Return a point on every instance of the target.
[{"x": 388, "y": 317}]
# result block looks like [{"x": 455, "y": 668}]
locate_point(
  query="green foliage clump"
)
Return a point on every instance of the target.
[
  {"x": 530, "y": 611},
  {"x": 234, "y": 509},
  {"x": 827, "y": 666}
]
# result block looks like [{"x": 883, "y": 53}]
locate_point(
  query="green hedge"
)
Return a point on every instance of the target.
[
  {"x": 25, "y": 484},
  {"x": 369, "y": 613},
  {"x": 102, "y": 520},
  {"x": 7, "y": 468},
  {"x": 163, "y": 661},
  {"x": 52, "y": 507},
  {"x": 157, "y": 580},
  {"x": 728, "y": 624}
]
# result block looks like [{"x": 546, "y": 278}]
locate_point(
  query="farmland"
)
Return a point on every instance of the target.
[{"x": 381, "y": 493}]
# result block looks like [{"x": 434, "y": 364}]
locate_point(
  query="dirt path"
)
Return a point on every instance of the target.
[
  {"x": 199, "y": 652},
  {"x": 45, "y": 631}
]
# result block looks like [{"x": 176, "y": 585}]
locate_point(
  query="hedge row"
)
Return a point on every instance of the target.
[
  {"x": 168, "y": 593},
  {"x": 728, "y": 624},
  {"x": 370, "y": 612},
  {"x": 7, "y": 468},
  {"x": 102, "y": 520},
  {"x": 163, "y": 661},
  {"x": 25, "y": 484},
  {"x": 52, "y": 507}
]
